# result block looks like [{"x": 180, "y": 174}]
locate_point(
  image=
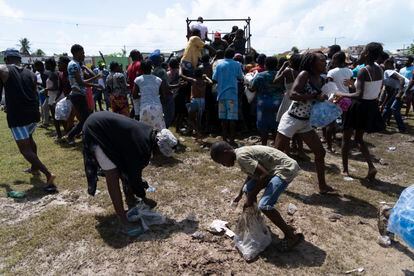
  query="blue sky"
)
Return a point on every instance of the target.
[{"x": 277, "y": 25}]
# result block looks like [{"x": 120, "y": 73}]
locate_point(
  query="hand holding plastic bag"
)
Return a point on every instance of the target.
[
  {"x": 252, "y": 234},
  {"x": 324, "y": 113},
  {"x": 63, "y": 109}
]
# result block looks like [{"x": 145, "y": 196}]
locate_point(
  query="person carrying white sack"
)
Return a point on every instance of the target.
[{"x": 268, "y": 169}]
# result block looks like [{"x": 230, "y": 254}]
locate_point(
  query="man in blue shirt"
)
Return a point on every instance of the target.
[
  {"x": 78, "y": 89},
  {"x": 407, "y": 72},
  {"x": 227, "y": 74}
]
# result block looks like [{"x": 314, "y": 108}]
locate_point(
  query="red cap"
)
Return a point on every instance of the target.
[{"x": 217, "y": 35}]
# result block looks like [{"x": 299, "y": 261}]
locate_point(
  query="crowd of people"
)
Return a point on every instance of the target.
[{"x": 217, "y": 88}]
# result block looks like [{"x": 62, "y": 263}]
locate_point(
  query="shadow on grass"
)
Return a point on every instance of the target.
[
  {"x": 162, "y": 161},
  {"x": 403, "y": 249},
  {"x": 408, "y": 272},
  {"x": 305, "y": 254},
  {"x": 109, "y": 229},
  {"x": 36, "y": 192},
  {"x": 346, "y": 205},
  {"x": 387, "y": 188},
  {"x": 309, "y": 166}
]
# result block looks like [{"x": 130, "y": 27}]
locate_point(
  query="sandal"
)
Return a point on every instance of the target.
[
  {"x": 50, "y": 189},
  {"x": 287, "y": 245}
]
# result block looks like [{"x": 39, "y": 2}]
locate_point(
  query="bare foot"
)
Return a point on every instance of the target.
[
  {"x": 328, "y": 190},
  {"x": 51, "y": 179},
  {"x": 371, "y": 174},
  {"x": 345, "y": 173}
]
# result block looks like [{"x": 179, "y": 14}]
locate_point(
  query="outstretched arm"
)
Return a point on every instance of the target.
[{"x": 262, "y": 176}]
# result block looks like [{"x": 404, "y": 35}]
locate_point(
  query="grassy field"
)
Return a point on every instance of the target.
[{"x": 73, "y": 233}]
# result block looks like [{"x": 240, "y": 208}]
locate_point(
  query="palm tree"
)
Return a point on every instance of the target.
[
  {"x": 24, "y": 46},
  {"x": 39, "y": 53}
]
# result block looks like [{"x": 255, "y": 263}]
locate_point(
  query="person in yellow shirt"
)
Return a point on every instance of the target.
[{"x": 192, "y": 53}]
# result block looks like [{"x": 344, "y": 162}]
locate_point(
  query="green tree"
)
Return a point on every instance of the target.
[
  {"x": 39, "y": 53},
  {"x": 411, "y": 49},
  {"x": 24, "y": 44},
  {"x": 295, "y": 50}
]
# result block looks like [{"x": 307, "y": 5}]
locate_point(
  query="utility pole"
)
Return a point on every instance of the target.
[{"x": 339, "y": 37}]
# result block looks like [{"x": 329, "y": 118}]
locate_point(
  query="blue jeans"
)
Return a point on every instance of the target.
[
  {"x": 273, "y": 190},
  {"x": 393, "y": 106}
]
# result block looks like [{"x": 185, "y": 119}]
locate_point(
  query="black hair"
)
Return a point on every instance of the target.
[
  {"x": 389, "y": 61},
  {"x": 146, "y": 66},
  {"x": 248, "y": 59},
  {"x": 340, "y": 57},
  {"x": 75, "y": 49},
  {"x": 261, "y": 59},
  {"x": 174, "y": 63},
  {"x": 220, "y": 54},
  {"x": 218, "y": 148},
  {"x": 64, "y": 60},
  {"x": 198, "y": 72},
  {"x": 385, "y": 56},
  {"x": 50, "y": 64},
  {"x": 281, "y": 61},
  {"x": 195, "y": 32},
  {"x": 409, "y": 62},
  {"x": 333, "y": 49},
  {"x": 308, "y": 60},
  {"x": 229, "y": 53},
  {"x": 205, "y": 58},
  {"x": 38, "y": 64},
  {"x": 295, "y": 60},
  {"x": 374, "y": 51},
  {"x": 113, "y": 65},
  {"x": 135, "y": 55},
  {"x": 271, "y": 63}
]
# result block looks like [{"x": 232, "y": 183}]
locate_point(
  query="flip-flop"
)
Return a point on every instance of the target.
[
  {"x": 284, "y": 245},
  {"x": 50, "y": 189}
]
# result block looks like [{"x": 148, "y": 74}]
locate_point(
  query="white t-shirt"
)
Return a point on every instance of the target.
[
  {"x": 202, "y": 28},
  {"x": 339, "y": 75},
  {"x": 394, "y": 83},
  {"x": 149, "y": 88}
]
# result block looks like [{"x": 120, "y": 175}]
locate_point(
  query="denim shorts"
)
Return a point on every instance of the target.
[
  {"x": 228, "y": 110},
  {"x": 272, "y": 192}
]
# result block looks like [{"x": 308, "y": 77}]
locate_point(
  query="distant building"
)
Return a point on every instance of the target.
[{"x": 355, "y": 51}]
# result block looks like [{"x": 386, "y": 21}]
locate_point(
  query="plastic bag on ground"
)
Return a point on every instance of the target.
[
  {"x": 252, "y": 234},
  {"x": 142, "y": 213},
  {"x": 401, "y": 221},
  {"x": 63, "y": 109},
  {"x": 324, "y": 113}
]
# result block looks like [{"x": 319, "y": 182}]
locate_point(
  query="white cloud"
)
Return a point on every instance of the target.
[
  {"x": 276, "y": 25},
  {"x": 6, "y": 10}
]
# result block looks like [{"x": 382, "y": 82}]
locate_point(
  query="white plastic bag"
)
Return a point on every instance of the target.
[
  {"x": 252, "y": 234},
  {"x": 248, "y": 79},
  {"x": 63, "y": 109},
  {"x": 142, "y": 213},
  {"x": 329, "y": 89}
]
